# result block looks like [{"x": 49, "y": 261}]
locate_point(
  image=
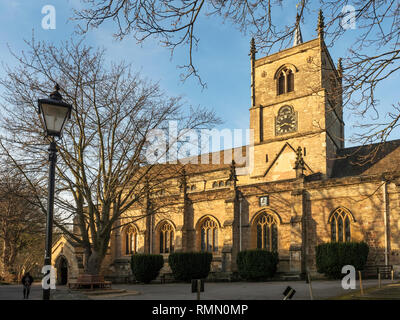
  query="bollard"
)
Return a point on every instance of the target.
[
  {"x": 197, "y": 286},
  {"x": 198, "y": 289},
  {"x": 361, "y": 287},
  {"x": 288, "y": 293},
  {"x": 379, "y": 279},
  {"x": 310, "y": 287}
]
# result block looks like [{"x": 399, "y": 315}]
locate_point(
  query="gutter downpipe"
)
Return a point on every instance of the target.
[
  {"x": 385, "y": 220},
  {"x": 240, "y": 224}
]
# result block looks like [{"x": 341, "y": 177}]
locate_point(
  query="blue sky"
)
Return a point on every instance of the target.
[{"x": 222, "y": 56}]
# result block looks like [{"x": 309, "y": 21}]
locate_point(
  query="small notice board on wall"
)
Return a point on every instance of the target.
[{"x": 264, "y": 201}]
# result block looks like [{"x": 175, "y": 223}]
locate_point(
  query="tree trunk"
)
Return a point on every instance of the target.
[
  {"x": 93, "y": 262},
  {"x": 5, "y": 259},
  {"x": 95, "y": 254}
]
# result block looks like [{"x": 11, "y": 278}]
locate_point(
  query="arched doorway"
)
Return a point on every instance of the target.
[{"x": 63, "y": 271}]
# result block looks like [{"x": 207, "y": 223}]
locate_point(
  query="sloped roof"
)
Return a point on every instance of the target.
[
  {"x": 367, "y": 160},
  {"x": 170, "y": 170}
]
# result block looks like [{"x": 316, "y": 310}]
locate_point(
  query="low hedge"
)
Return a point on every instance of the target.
[
  {"x": 256, "y": 265},
  {"x": 331, "y": 257},
  {"x": 146, "y": 267},
  {"x": 186, "y": 266}
]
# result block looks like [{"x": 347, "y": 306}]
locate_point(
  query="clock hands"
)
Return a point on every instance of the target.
[{"x": 285, "y": 123}]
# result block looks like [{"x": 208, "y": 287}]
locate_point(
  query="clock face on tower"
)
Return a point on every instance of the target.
[{"x": 286, "y": 121}]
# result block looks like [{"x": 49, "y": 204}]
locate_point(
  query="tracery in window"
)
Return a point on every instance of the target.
[
  {"x": 131, "y": 240},
  {"x": 267, "y": 232},
  {"x": 166, "y": 233},
  {"x": 340, "y": 222},
  {"x": 285, "y": 82},
  {"x": 209, "y": 235}
]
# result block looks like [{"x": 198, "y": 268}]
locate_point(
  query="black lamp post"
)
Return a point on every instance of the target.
[
  {"x": 54, "y": 113},
  {"x": 240, "y": 198}
]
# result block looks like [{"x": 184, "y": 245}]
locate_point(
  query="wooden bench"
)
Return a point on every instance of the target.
[
  {"x": 164, "y": 277},
  {"x": 89, "y": 280},
  {"x": 374, "y": 270}
]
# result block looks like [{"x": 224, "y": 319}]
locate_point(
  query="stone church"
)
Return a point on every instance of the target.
[{"x": 305, "y": 187}]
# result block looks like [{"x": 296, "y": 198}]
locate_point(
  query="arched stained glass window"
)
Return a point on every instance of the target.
[
  {"x": 166, "y": 238},
  {"x": 347, "y": 233},
  {"x": 130, "y": 240},
  {"x": 339, "y": 229},
  {"x": 267, "y": 232},
  {"x": 333, "y": 230},
  {"x": 340, "y": 222},
  {"x": 209, "y": 235}
]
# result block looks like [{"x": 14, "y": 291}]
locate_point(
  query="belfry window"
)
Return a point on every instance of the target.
[
  {"x": 166, "y": 238},
  {"x": 209, "y": 235},
  {"x": 130, "y": 240},
  {"x": 281, "y": 83},
  {"x": 290, "y": 81},
  {"x": 267, "y": 232},
  {"x": 340, "y": 222},
  {"x": 285, "y": 81}
]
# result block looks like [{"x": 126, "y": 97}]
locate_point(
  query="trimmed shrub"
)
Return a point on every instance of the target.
[
  {"x": 331, "y": 257},
  {"x": 186, "y": 266},
  {"x": 256, "y": 265},
  {"x": 146, "y": 267}
]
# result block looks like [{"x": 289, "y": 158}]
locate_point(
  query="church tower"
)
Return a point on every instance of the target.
[{"x": 296, "y": 102}]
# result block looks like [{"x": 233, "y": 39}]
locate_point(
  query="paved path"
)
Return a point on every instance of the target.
[
  {"x": 237, "y": 290},
  {"x": 213, "y": 291},
  {"x": 387, "y": 292},
  {"x": 15, "y": 292}
]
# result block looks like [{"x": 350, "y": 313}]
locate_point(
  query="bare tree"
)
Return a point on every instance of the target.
[
  {"x": 373, "y": 57},
  {"x": 21, "y": 226},
  {"x": 102, "y": 168}
]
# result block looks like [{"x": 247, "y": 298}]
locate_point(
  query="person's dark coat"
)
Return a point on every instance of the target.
[{"x": 27, "y": 279}]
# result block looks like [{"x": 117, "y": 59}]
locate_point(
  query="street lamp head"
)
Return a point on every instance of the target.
[
  {"x": 54, "y": 113},
  {"x": 56, "y": 95}
]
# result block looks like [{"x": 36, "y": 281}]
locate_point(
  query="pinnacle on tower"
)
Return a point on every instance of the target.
[
  {"x": 183, "y": 179},
  {"x": 253, "y": 50},
  {"x": 340, "y": 68},
  {"x": 232, "y": 173},
  {"x": 298, "y": 38},
  {"x": 252, "y": 55},
  {"x": 299, "y": 164},
  {"x": 321, "y": 24}
]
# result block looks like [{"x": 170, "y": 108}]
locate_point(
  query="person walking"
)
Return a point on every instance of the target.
[{"x": 27, "y": 281}]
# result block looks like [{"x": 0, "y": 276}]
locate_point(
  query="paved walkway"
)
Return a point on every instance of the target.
[
  {"x": 15, "y": 292},
  {"x": 239, "y": 290},
  {"x": 213, "y": 291},
  {"x": 386, "y": 292}
]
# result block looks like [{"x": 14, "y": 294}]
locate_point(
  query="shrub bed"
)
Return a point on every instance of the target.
[
  {"x": 146, "y": 267},
  {"x": 331, "y": 257},
  {"x": 256, "y": 265},
  {"x": 186, "y": 266}
]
